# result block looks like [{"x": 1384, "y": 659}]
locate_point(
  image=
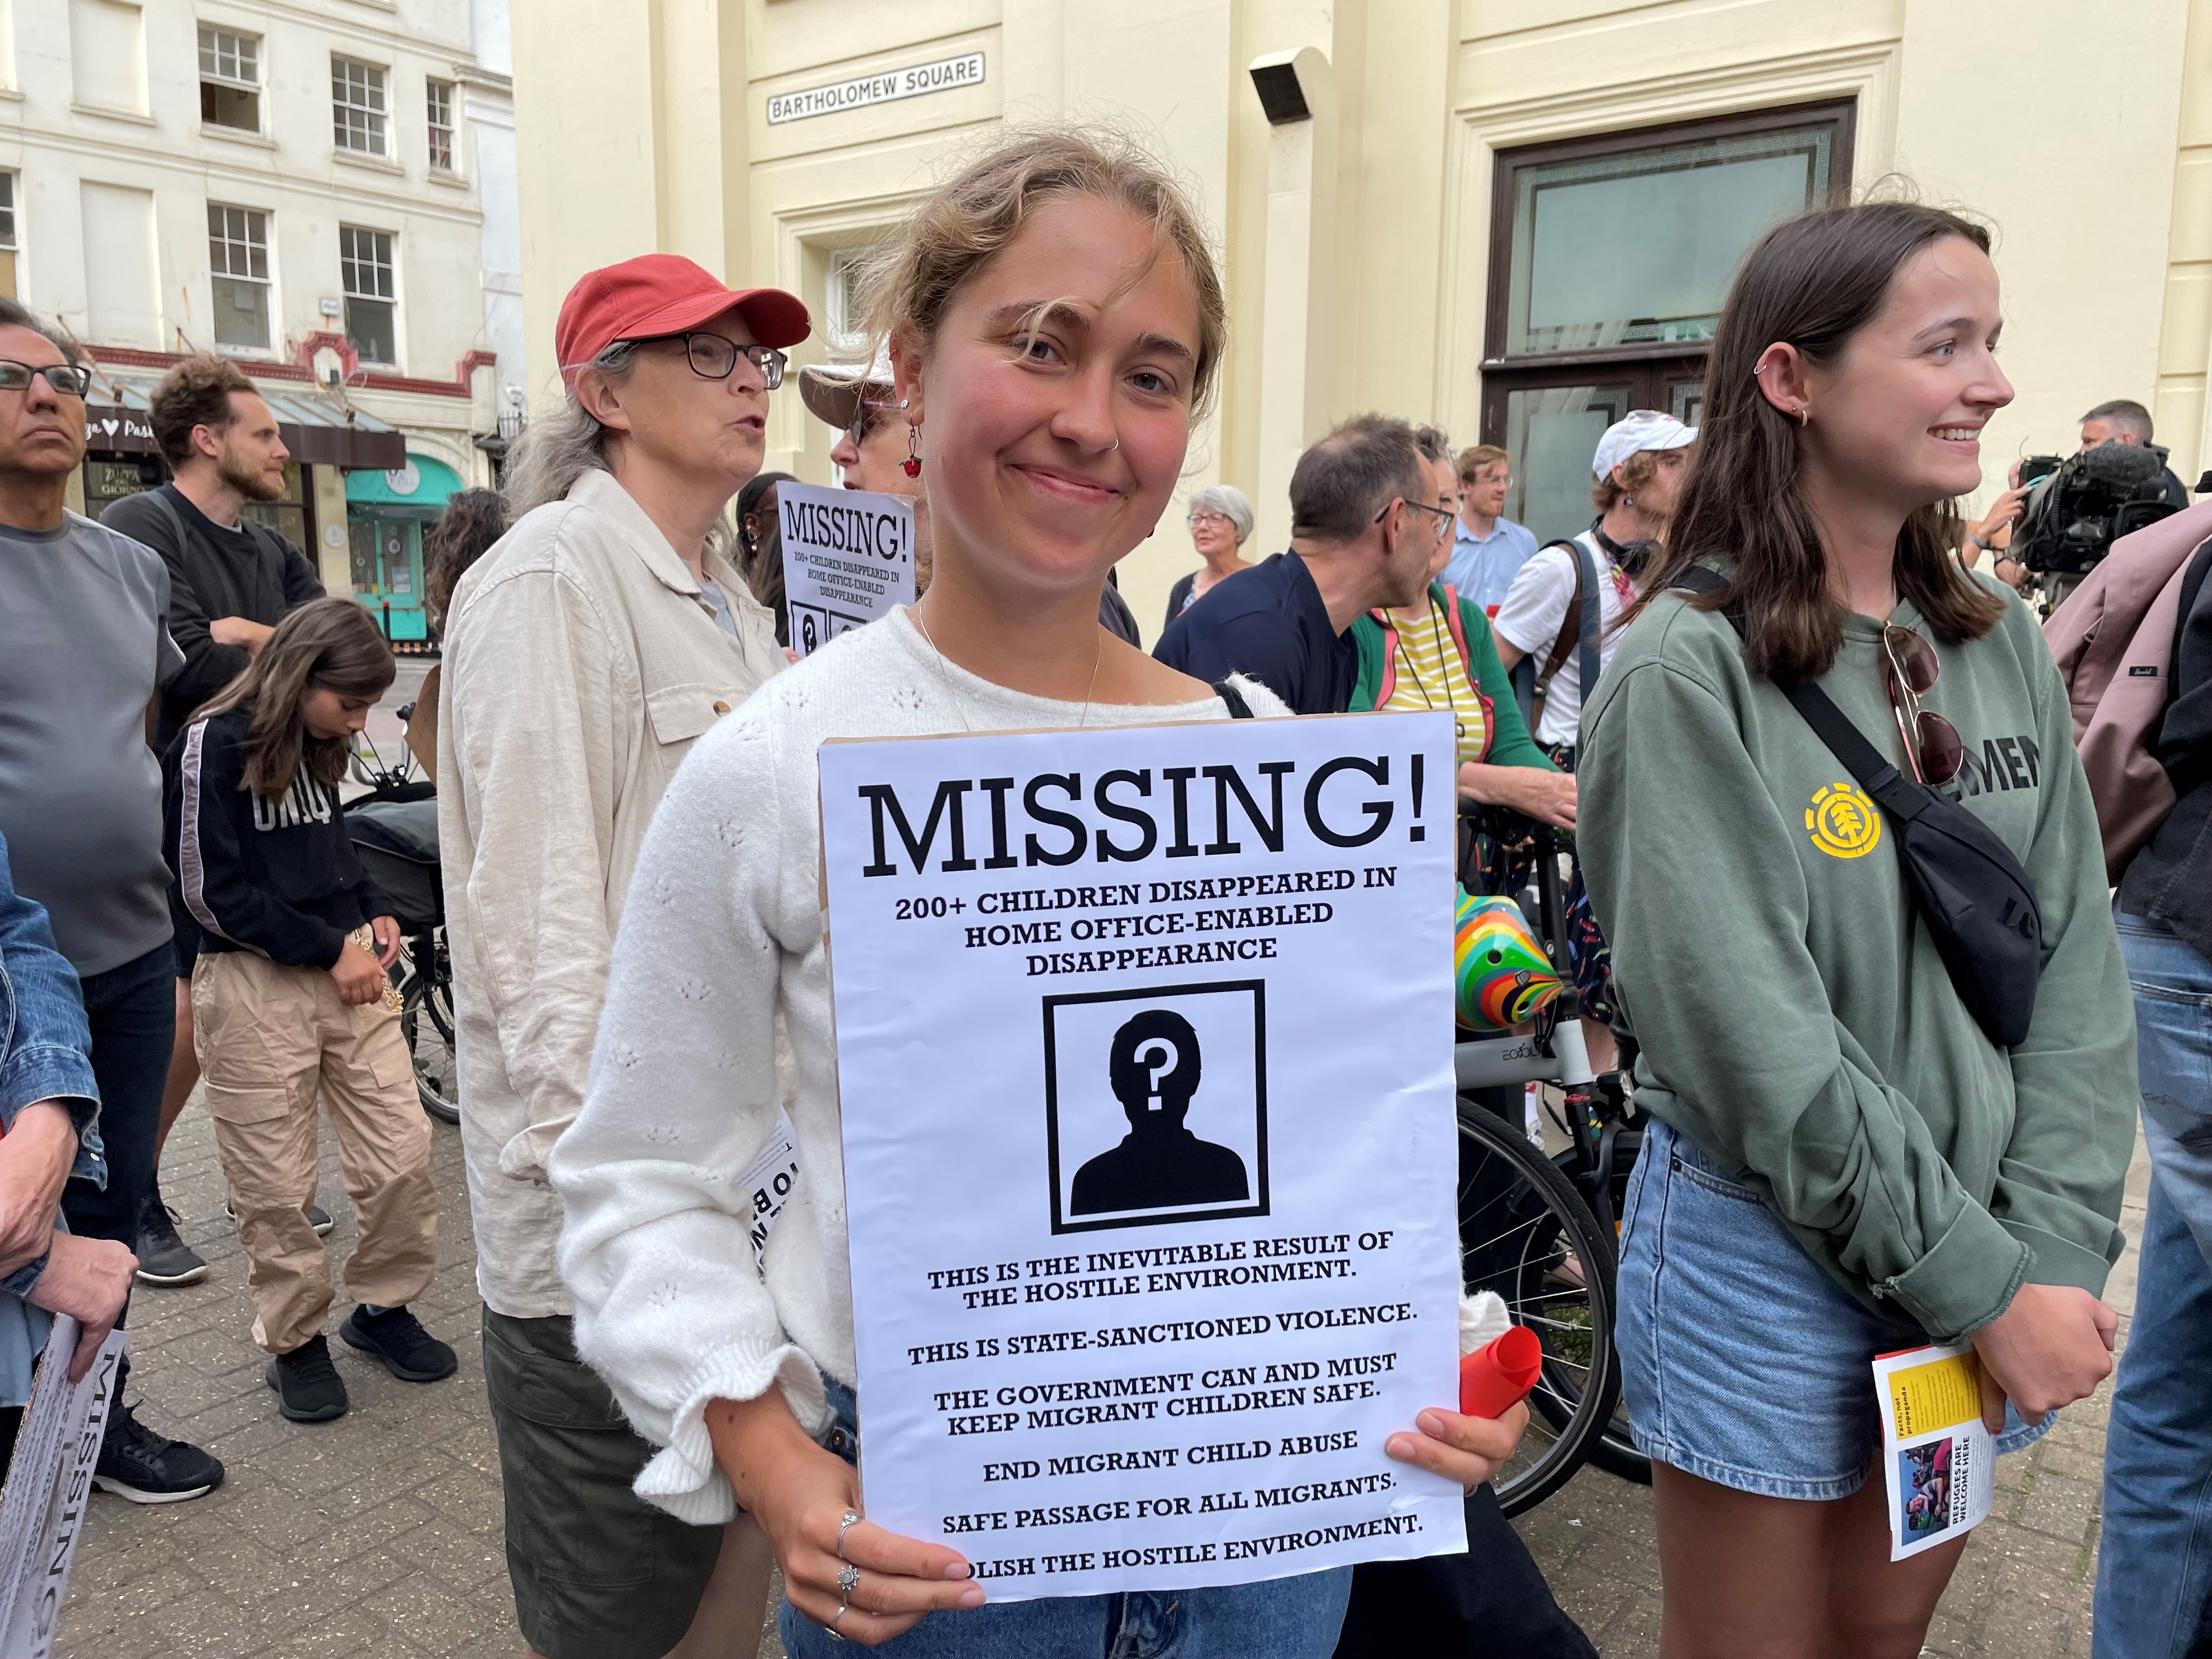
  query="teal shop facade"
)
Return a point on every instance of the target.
[{"x": 387, "y": 513}]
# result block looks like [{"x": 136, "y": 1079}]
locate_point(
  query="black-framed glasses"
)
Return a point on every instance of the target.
[
  {"x": 1444, "y": 520},
  {"x": 1207, "y": 515},
  {"x": 67, "y": 379},
  {"x": 1912, "y": 668},
  {"x": 713, "y": 357}
]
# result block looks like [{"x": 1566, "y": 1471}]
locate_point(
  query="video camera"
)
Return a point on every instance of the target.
[{"x": 2082, "y": 503}]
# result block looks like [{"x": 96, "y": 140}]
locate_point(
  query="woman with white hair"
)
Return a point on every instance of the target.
[{"x": 1221, "y": 523}]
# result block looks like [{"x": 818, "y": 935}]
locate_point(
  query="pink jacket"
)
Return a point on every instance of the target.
[{"x": 2113, "y": 639}]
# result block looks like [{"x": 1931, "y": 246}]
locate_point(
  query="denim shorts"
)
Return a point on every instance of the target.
[
  {"x": 1276, "y": 1619},
  {"x": 1742, "y": 1362}
]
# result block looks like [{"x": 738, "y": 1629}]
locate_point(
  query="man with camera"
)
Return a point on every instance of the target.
[{"x": 2066, "y": 514}]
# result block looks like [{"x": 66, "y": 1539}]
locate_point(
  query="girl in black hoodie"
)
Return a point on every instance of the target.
[{"x": 290, "y": 1002}]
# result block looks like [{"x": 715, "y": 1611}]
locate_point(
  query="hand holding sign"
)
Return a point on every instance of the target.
[{"x": 800, "y": 1494}]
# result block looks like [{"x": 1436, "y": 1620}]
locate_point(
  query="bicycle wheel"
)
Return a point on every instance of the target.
[
  {"x": 1613, "y": 1450},
  {"x": 1526, "y": 1234},
  {"x": 429, "y": 1041}
]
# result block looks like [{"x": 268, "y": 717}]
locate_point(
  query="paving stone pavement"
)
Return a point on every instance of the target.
[{"x": 381, "y": 1533}]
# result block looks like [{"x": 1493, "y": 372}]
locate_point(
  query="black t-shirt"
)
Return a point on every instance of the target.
[
  {"x": 1269, "y": 624},
  {"x": 246, "y": 571}
]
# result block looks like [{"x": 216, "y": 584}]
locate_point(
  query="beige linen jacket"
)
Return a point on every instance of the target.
[{"x": 581, "y": 664}]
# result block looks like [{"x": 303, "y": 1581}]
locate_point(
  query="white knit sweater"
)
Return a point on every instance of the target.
[{"x": 722, "y": 934}]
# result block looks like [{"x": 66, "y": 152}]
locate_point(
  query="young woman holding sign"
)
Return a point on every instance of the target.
[
  {"x": 1855, "y": 1148},
  {"x": 1056, "y": 320}
]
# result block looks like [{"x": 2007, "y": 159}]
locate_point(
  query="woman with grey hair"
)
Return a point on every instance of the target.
[
  {"x": 1221, "y": 523},
  {"x": 585, "y": 655}
]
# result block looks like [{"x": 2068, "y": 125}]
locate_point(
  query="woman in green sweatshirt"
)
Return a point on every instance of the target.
[{"x": 1841, "y": 1164}]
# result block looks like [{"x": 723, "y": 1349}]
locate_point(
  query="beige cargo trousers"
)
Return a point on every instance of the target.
[{"x": 271, "y": 1039}]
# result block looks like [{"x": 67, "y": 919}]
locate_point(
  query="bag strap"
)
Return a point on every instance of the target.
[
  {"x": 160, "y": 494},
  {"x": 1238, "y": 708},
  {"x": 1572, "y": 624},
  {"x": 1592, "y": 602},
  {"x": 1531, "y": 685},
  {"x": 1901, "y": 797}
]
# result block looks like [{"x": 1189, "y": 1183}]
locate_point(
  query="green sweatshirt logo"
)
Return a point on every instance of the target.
[{"x": 1844, "y": 823}]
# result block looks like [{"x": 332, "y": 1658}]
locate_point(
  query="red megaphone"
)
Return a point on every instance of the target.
[{"x": 1493, "y": 1376}]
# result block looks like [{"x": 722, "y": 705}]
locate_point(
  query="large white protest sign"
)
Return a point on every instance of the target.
[
  {"x": 49, "y": 1490},
  {"x": 847, "y": 559},
  {"x": 1144, "y": 1059}
]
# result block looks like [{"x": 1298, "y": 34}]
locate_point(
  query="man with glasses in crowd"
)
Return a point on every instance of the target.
[
  {"x": 584, "y": 654},
  {"x": 1366, "y": 517},
  {"x": 84, "y": 649},
  {"x": 1488, "y": 548}
]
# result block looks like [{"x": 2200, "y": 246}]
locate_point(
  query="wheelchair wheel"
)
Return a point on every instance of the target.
[{"x": 1526, "y": 1234}]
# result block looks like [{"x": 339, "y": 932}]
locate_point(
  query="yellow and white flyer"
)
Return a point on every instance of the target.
[{"x": 1936, "y": 1453}]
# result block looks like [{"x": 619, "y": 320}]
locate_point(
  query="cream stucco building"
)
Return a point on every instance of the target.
[
  {"x": 322, "y": 193},
  {"x": 1511, "y": 217}
]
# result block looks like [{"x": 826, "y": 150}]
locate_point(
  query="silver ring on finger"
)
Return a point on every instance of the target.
[
  {"x": 831, "y": 1628},
  {"x": 846, "y": 1523},
  {"x": 849, "y": 1580}
]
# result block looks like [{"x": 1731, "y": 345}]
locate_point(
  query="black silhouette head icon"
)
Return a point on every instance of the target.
[{"x": 1154, "y": 1069}]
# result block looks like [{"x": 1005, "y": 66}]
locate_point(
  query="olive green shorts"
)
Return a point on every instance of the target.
[{"x": 599, "y": 1573}]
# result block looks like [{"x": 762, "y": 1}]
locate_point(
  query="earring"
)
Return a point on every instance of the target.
[
  {"x": 1805, "y": 416},
  {"x": 912, "y": 464}
]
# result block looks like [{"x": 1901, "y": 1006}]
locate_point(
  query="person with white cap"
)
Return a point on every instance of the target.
[
  {"x": 585, "y": 655},
  {"x": 874, "y": 448},
  {"x": 1635, "y": 477}
]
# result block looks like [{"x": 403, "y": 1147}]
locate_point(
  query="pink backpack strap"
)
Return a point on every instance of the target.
[
  {"x": 1458, "y": 629},
  {"x": 1389, "y": 655}
]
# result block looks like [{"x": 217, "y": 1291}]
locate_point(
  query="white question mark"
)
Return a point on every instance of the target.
[{"x": 1163, "y": 1059}]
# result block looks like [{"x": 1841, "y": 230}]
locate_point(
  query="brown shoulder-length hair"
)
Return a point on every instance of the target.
[
  {"x": 326, "y": 645},
  {"x": 464, "y": 532},
  {"x": 1812, "y": 282}
]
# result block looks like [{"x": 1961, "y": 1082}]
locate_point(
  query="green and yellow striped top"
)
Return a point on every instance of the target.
[{"x": 1431, "y": 675}]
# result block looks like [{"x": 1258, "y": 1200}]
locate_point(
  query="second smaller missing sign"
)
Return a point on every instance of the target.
[{"x": 847, "y": 559}]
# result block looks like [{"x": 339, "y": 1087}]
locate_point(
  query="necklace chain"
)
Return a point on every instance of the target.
[
  {"x": 922, "y": 623},
  {"x": 1451, "y": 701}
]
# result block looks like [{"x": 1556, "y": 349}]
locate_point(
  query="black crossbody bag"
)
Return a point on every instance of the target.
[{"x": 1977, "y": 903}]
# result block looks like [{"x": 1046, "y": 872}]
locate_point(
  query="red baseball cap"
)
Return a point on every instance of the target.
[{"x": 658, "y": 294}]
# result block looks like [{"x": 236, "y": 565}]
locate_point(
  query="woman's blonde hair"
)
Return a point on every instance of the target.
[
  {"x": 327, "y": 644},
  {"x": 980, "y": 211}
]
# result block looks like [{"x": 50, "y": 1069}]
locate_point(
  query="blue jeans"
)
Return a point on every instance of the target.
[
  {"x": 1742, "y": 1362},
  {"x": 1276, "y": 1619},
  {"x": 2154, "y": 1566}
]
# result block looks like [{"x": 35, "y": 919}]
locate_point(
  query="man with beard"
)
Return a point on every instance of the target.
[{"x": 231, "y": 581}]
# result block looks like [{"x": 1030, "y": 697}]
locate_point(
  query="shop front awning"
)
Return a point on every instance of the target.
[
  {"x": 416, "y": 489},
  {"x": 317, "y": 428}
]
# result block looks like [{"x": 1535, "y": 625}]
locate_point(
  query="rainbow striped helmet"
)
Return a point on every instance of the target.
[{"x": 1501, "y": 975}]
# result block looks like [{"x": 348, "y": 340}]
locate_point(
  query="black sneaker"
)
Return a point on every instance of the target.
[
  {"x": 308, "y": 1386},
  {"x": 146, "y": 1468},
  {"x": 397, "y": 1337},
  {"x": 164, "y": 1258},
  {"x": 318, "y": 1217}
]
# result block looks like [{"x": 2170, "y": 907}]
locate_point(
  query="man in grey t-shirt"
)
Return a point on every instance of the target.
[{"x": 83, "y": 649}]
